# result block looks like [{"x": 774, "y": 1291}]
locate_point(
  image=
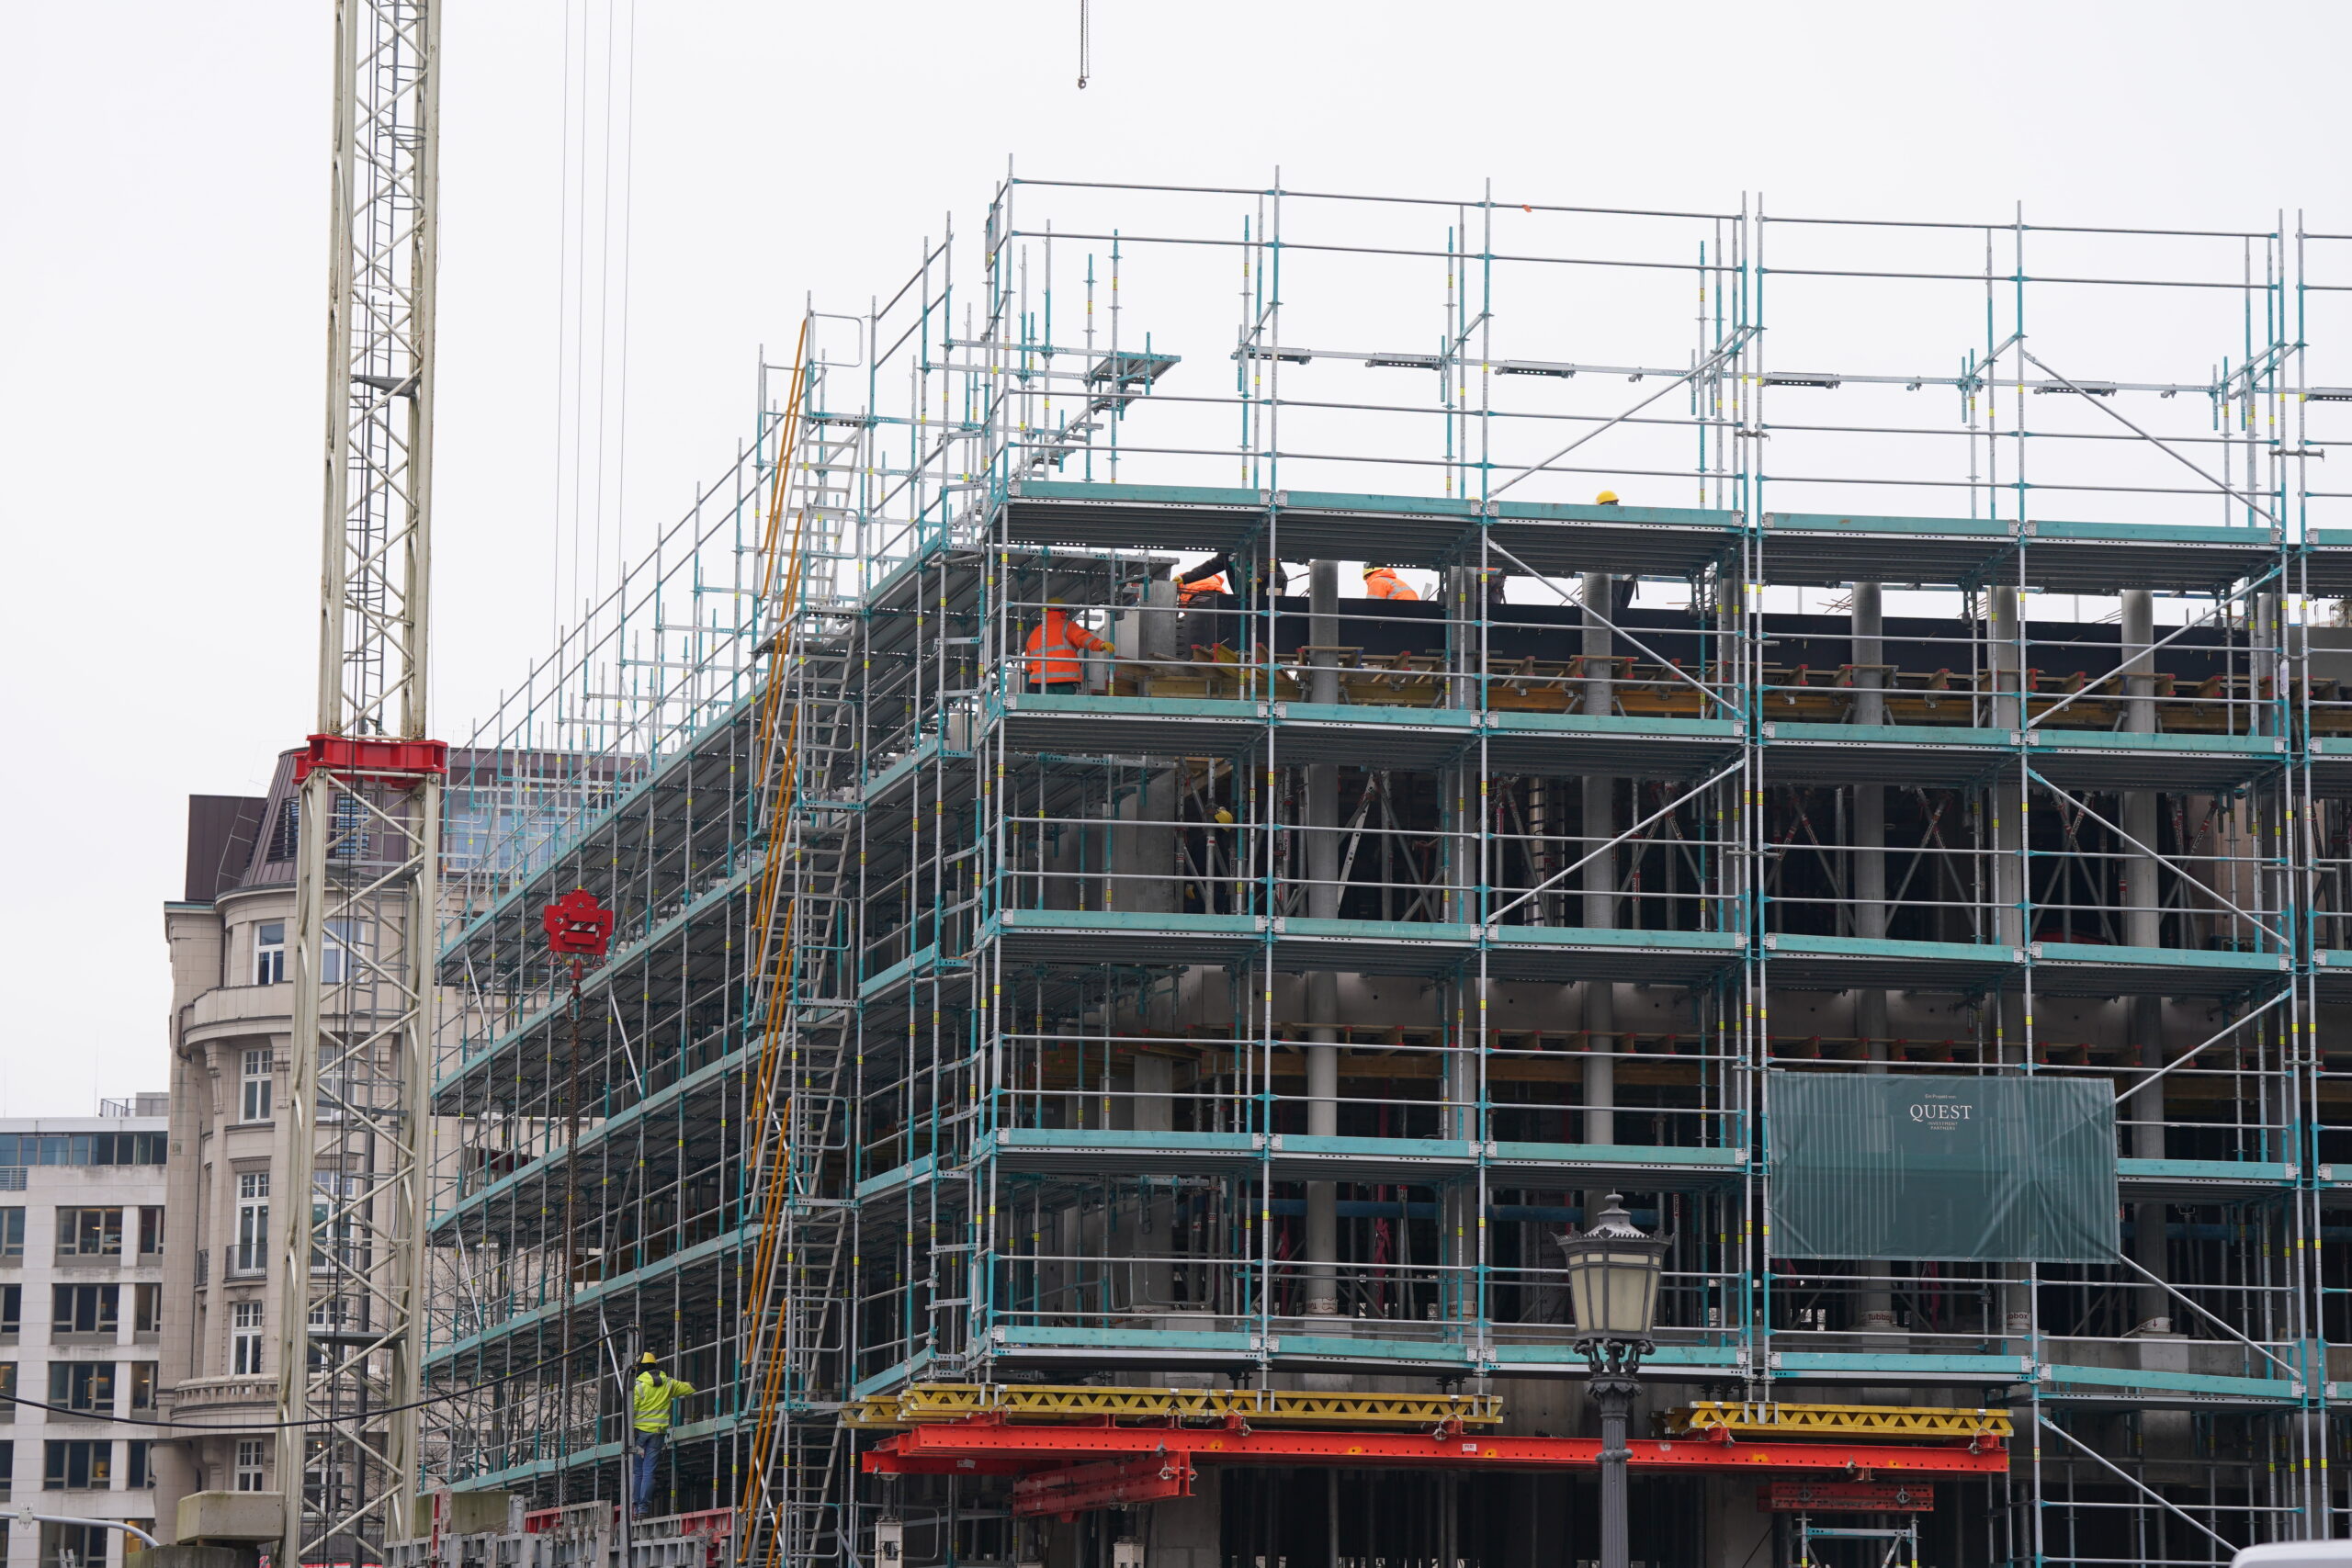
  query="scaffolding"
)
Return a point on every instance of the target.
[{"x": 1039, "y": 964}]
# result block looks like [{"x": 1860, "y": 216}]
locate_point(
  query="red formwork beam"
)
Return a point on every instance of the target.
[
  {"x": 947, "y": 1448},
  {"x": 1070, "y": 1490},
  {"x": 375, "y": 755}
]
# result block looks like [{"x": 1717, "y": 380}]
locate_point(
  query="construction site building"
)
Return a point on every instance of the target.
[{"x": 1239, "y": 1000}]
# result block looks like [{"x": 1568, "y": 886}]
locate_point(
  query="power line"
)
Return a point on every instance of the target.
[{"x": 307, "y": 1421}]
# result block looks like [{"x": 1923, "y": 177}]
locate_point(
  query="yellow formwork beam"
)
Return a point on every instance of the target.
[
  {"x": 921, "y": 1402},
  {"x": 1739, "y": 1419}
]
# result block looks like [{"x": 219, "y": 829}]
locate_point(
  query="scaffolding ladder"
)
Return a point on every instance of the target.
[{"x": 802, "y": 1006}]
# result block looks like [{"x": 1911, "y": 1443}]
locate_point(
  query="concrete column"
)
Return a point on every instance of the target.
[
  {"x": 1545, "y": 857},
  {"x": 1156, "y": 622},
  {"x": 1600, "y": 881},
  {"x": 1155, "y": 1105},
  {"x": 1143, "y": 855},
  {"x": 1322, "y": 864},
  {"x": 1866, "y": 878},
  {"x": 2008, "y": 803},
  {"x": 2141, "y": 893},
  {"x": 2008, "y": 834}
]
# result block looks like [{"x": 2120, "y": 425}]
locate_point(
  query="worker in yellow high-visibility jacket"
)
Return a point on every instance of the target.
[{"x": 650, "y": 1398}]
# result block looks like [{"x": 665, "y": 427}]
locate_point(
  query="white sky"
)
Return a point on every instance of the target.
[{"x": 161, "y": 264}]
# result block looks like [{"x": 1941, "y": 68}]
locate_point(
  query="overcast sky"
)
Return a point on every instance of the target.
[{"x": 163, "y": 263}]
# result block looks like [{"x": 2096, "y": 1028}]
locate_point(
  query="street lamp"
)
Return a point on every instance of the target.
[{"x": 1614, "y": 1273}]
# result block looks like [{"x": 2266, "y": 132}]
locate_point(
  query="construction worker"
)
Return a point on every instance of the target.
[
  {"x": 1382, "y": 583},
  {"x": 651, "y": 1399},
  {"x": 1053, "y": 647},
  {"x": 1188, "y": 589},
  {"x": 1606, "y": 498},
  {"x": 1213, "y": 601}
]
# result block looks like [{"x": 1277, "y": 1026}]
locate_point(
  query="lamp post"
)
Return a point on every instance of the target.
[{"x": 1614, "y": 1273}]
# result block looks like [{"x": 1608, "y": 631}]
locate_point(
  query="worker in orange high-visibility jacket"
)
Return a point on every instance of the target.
[
  {"x": 1188, "y": 592},
  {"x": 1382, "y": 583},
  {"x": 1053, "y": 647}
]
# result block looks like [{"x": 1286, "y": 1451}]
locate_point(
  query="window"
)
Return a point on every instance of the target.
[
  {"x": 269, "y": 959},
  {"x": 74, "y": 1546},
  {"x": 130, "y": 1149},
  {"x": 251, "y": 1464},
  {"x": 147, "y": 1309},
  {"x": 334, "y": 1219},
  {"x": 73, "y": 1466},
  {"x": 151, "y": 1231},
  {"x": 8, "y": 1379},
  {"x": 84, "y": 1309},
  {"x": 252, "y": 1100},
  {"x": 286, "y": 833},
  {"x": 12, "y": 1308},
  {"x": 89, "y": 1233},
  {"x": 12, "y": 1230},
  {"x": 347, "y": 840},
  {"x": 142, "y": 1385},
  {"x": 82, "y": 1148},
  {"x": 137, "y": 1471},
  {"x": 244, "y": 1339},
  {"x": 250, "y": 1255},
  {"x": 345, "y": 945},
  {"x": 85, "y": 1387}
]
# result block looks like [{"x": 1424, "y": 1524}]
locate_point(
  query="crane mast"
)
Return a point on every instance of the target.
[{"x": 369, "y": 814}]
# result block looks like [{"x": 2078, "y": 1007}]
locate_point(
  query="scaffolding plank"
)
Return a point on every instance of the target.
[
  {"x": 1839, "y": 963},
  {"x": 2087, "y": 969},
  {"x": 1368, "y": 736},
  {"x": 1823, "y": 549},
  {"x": 1424, "y": 531},
  {"x": 2204, "y": 1180},
  {"x": 2331, "y": 766},
  {"x": 1934, "y": 756}
]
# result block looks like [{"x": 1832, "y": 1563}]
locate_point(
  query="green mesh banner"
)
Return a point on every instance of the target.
[{"x": 1973, "y": 1169}]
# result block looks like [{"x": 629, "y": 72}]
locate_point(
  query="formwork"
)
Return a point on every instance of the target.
[{"x": 1960, "y": 688}]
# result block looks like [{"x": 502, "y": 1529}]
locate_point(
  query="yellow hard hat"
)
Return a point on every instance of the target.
[
  {"x": 1223, "y": 816},
  {"x": 1606, "y": 498},
  {"x": 648, "y": 1359},
  {"x": 1055, "y": 598},
  {"x": 1370, "y": 567}
]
